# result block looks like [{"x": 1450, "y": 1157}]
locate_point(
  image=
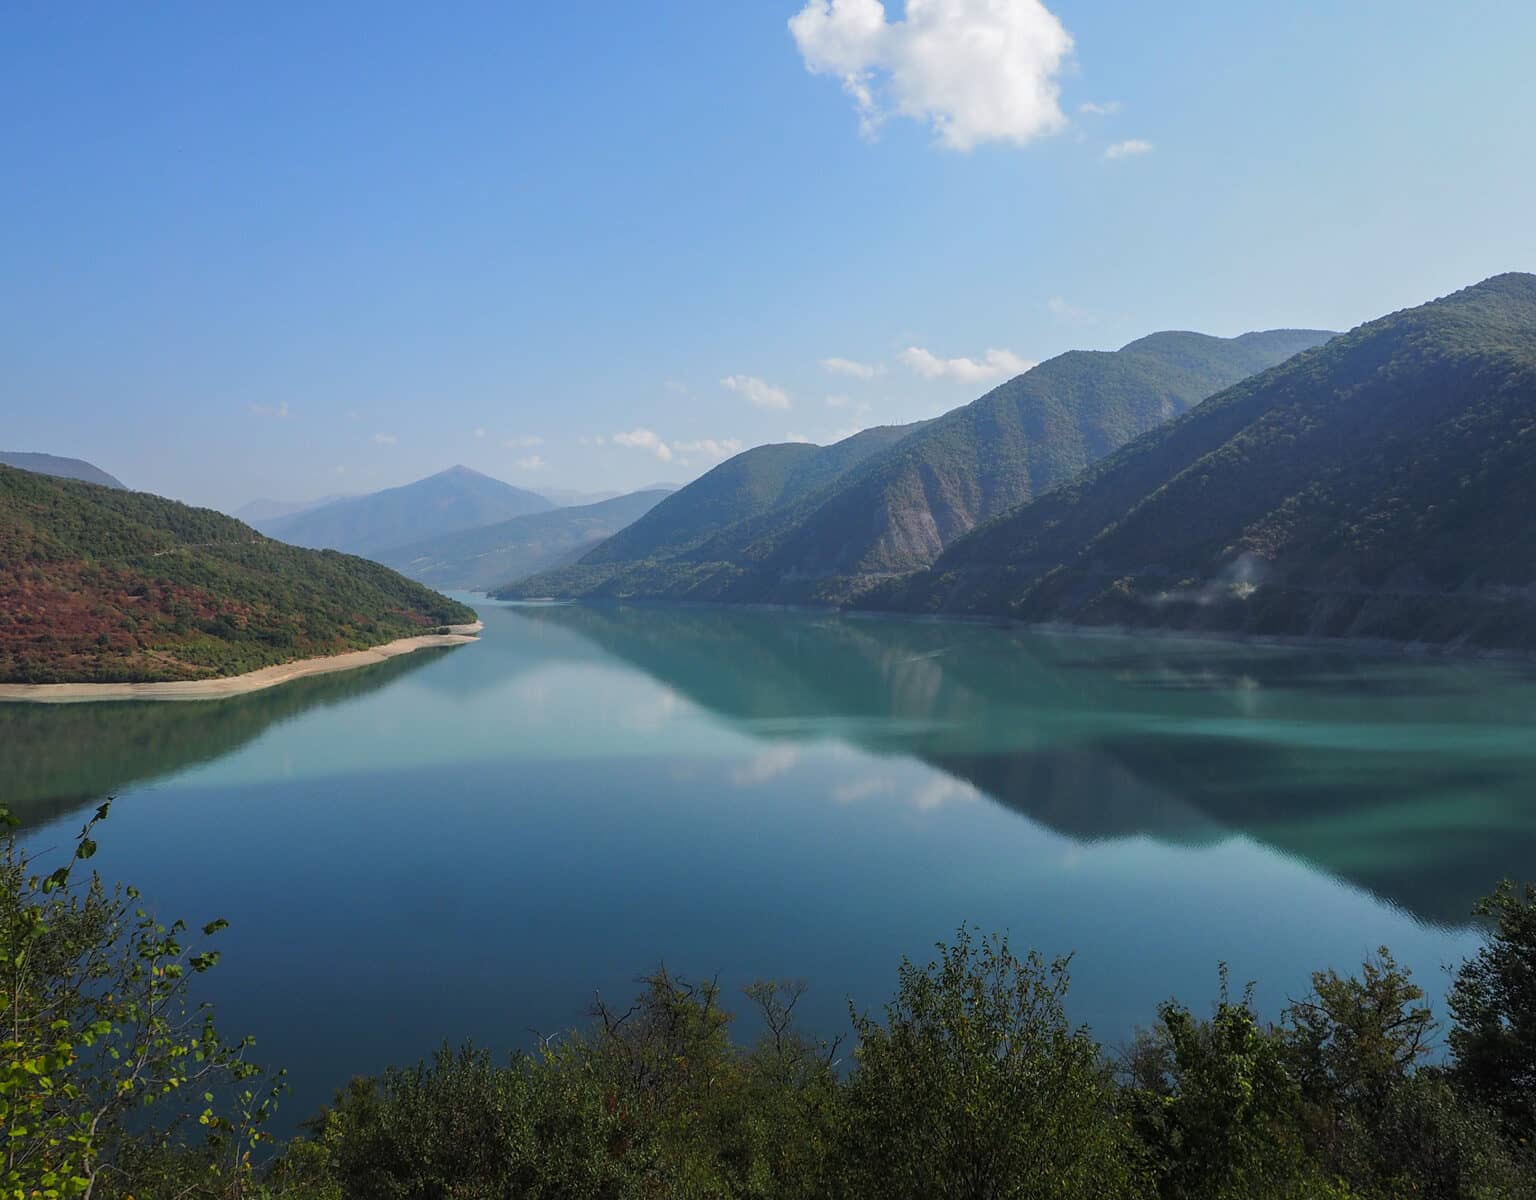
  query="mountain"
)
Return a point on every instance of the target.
[
  {"x": 894, "y": 510},
  {"x": 103, "y": 585},
  {"x": 750, "y": 485},
  {"x": 60, "y": 468},
  {"x": 259, "y": 511},
  {"x": 482, "y": 558},
  {"x": 455, "y": 499},
  {"x": 1380, "y": 486}
]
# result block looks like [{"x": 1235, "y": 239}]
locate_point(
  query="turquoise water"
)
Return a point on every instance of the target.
[{"x": 469, "y": 842}]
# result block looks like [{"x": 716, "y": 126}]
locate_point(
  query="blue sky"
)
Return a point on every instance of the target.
[{"x": 264, "y": 251}]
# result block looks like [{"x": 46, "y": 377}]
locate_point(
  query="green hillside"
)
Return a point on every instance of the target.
[
  {"x": 101, "y": 585},
  {"x": 744, "y": 488},
  {"x": 1381, "y": 487},
  {"x": 482, "y": 558},
  {"x": 894, "y": 510}
]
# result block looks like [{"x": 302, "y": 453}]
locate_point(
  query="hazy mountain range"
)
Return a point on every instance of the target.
[
  {"x": 59, "y": 468},
  {"x": 491, "y": 555},
  {"x": 447, "y": 502}
]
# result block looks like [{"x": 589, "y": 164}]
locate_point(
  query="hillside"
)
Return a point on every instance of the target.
[
  {"x": 1380, "y": 487},
  {"x": 485, "y": 557},
  {"x": 895, "y": 510},
  {"x": 455, "y": 499},
  {"x": 60, "y": 468},
  {"x": 749, "y": 485},
  {"x": 99, "y": 585}
]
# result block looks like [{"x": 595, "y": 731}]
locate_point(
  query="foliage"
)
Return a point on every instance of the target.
[
  {"x": 1493, "y": 1004},
  {"x": 975, "y": 1085},
  {"x": 107, "y": 1063},
  {"x": 103, "y": 585},
  {"x": 971, "y": 1083}
]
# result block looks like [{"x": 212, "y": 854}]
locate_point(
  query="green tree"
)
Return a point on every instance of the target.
[
  {"x": 1217, "y": 1108},
  {"x": 975, "y": 1086},
  {"x": 106, "y": 1064},
  {"x": 1493, "y": 1006}
]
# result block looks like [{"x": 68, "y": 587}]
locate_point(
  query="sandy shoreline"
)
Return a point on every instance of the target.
[{"x": 233, "y": 685}]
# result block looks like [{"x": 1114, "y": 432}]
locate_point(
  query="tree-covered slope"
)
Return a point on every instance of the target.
[
  {"x": 61, "y": 468},
  {"x": 895, "y": 510},
  {"x": 1382, "y": 486},
  {"x": 101, "y": 585},
  {"x": 743, "y": 488},
  {"x": 485, "y": 557},
  {"x": 455, "y": 499}
]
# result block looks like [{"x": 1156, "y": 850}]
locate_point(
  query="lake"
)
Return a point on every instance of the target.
[{"x": 468, "y": 843}]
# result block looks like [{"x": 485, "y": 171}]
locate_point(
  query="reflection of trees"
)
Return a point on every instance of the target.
[
  {"x": 1398, "y": 776},
  {"x": 55, "y": 758}
]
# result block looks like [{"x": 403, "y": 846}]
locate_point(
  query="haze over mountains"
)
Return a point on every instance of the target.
[
  {"x": 491, "y": 555},
  {"x": 447, "y": 502},
  {"x": 804, "y": 524},
  {"x": 59, "y": 468},
  {"x": 1381, "y": 486}
]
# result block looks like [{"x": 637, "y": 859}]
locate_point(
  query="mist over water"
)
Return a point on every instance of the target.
[{"x": 468, "y": 843}]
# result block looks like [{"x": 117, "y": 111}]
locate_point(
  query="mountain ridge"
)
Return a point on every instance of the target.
[
  {"x": 446, "y": 502},
  {"x": 1377, "y": 488},
  {"x": 893, "y": 510}
]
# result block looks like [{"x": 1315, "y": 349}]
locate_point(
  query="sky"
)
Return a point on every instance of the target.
[{"x": 286, "y": 251}]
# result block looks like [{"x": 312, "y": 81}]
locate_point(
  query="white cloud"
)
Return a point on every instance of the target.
[
  {"x": 798, "y": 437},
  {"x": 532, "y": 463},
  {"x": 975, "y": 70},
  {"x": 479, "y": 431},
  {"x": 524, "y": 442},
  {"x": 279, "y": 411},
  {"x": 850, "y": 368},
  {"x": 1107, "y": 109},
  {"x": 997, "y": 364},
  {"x": 1067, "y": 311},
  {"x": 644, "y": 439},
  {"x": 385, "y": 439},
  {"x": 596, "y": 440},
  {"x": 760, "y": 392},
  {"x": 1128, "y": 148},
  {"x": 710, "y": 447}
]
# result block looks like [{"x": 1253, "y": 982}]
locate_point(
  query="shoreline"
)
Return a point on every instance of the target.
[{"x": 234, "y": 685}]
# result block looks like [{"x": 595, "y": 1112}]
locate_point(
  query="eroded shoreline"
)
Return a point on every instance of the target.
[{"x": 234, "y": 685}]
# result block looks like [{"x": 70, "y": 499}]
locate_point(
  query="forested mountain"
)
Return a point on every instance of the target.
[
  {"x": 60, "y": 468},
  {"x": 103, "y": 585},
  {"x": 751, "y": 484},
  {"x": 485, "y": 557},
  {"x": 894, "y": 510},
  {"x": 1382, "y": 486},
  {"x": 455, "y": 499}
]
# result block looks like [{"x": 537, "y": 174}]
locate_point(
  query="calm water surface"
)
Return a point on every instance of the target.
[{"x": 469, "y": 842}]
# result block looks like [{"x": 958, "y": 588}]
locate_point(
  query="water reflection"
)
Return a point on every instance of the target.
[
  {"x": 59, "y": 758},
  {"x": 1408, "y": 778}
]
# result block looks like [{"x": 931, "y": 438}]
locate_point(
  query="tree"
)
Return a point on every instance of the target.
[
  {"x": 105, "y": 1061},
  {"x": 1493, "y": 1006},
  {"x": 975, "y": 1086}
]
